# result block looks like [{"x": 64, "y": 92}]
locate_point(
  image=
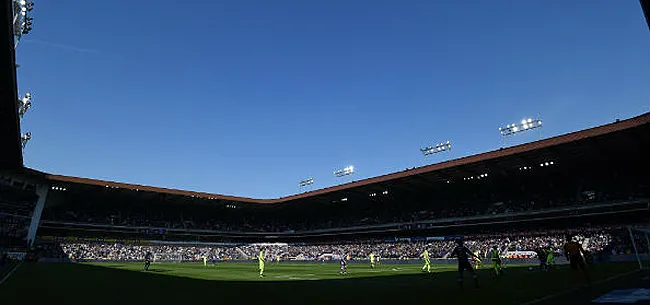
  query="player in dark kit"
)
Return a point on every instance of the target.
[
  {"x": 344, "y": 264},
  {"x": 542, "y": 256},
  {"x": 147, "y": 261},
  {"x": 464, "y": 254}
]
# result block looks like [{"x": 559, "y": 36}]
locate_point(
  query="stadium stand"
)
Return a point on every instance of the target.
[
  {"x": 590, "y": 183},
  {"x": 594, "y": 175},
  {"x": 601, "y": 241},
  {"x": 16, "y": 208}
]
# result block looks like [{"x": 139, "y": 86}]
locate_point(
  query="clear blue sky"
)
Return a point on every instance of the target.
[{"x": 249, "y": 97}]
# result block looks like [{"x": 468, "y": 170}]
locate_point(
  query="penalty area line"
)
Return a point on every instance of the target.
[
  {"x": 10, "y": 273},
  {"x": 561, "y": 293}
]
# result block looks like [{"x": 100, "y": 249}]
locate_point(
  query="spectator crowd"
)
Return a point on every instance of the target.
[{"x": 597, "y": 240}]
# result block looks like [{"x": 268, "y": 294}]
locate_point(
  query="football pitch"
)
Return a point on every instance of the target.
[{"x": 296, "y": 283}]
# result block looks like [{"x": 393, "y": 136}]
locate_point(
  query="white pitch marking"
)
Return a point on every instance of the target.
[{"x": 10, "y": 272}]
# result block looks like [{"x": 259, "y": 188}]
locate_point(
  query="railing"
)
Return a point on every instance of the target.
[{"x": 548, "y": 214}]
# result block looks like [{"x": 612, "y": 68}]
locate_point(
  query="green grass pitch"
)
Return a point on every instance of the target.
[{"x": 285, "y": 283}]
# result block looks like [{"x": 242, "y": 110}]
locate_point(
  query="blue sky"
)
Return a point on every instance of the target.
[{"x": 249, "y": 97}]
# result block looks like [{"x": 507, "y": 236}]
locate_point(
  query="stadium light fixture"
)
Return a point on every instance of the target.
[
  {"x": 384, "y": 193},
  {"x": 24, "y": 104},
  {"x": 28, "y": 5},
  {"x": 22, "y": 21},
  {"x": 481, "y": 176},
  {"x": 348, "y": 170},
  {"x": 548, "y": 163},
  {"x": 440, "y": 147},
  {"x": 26, "y": 26},
  {"x": 306, "y": 182},
  {"x": 25, "y": 138},
  {"x": 524, "y": 125}
]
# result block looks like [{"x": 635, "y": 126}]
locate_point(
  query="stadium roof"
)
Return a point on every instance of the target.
[
  {"x": 512, "y": 157},
  {"x": 11, "y": 154}
]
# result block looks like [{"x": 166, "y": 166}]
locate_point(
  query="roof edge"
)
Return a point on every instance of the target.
[{"x": 503, "y": 152}]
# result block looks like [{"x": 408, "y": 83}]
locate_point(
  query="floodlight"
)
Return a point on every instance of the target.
[
  {"x": 24, "y": 104},
  {"x": 526, "y": 124},
  {"x": 26, "y": 26},
  {"x": 306, "y": 182},
  {"x": 25, "y": 138},
  {"x": 444, "y": 146},
  {"x": 548, "y": 163},
  {"x": 22, "y": 21},
  {"x": 348, "y": 170}
]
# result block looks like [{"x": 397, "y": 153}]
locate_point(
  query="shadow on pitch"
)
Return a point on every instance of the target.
[{"x": 58, "y": 283}]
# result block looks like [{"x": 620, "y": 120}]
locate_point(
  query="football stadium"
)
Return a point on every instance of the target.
[{"x": 557, "y": 220}]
